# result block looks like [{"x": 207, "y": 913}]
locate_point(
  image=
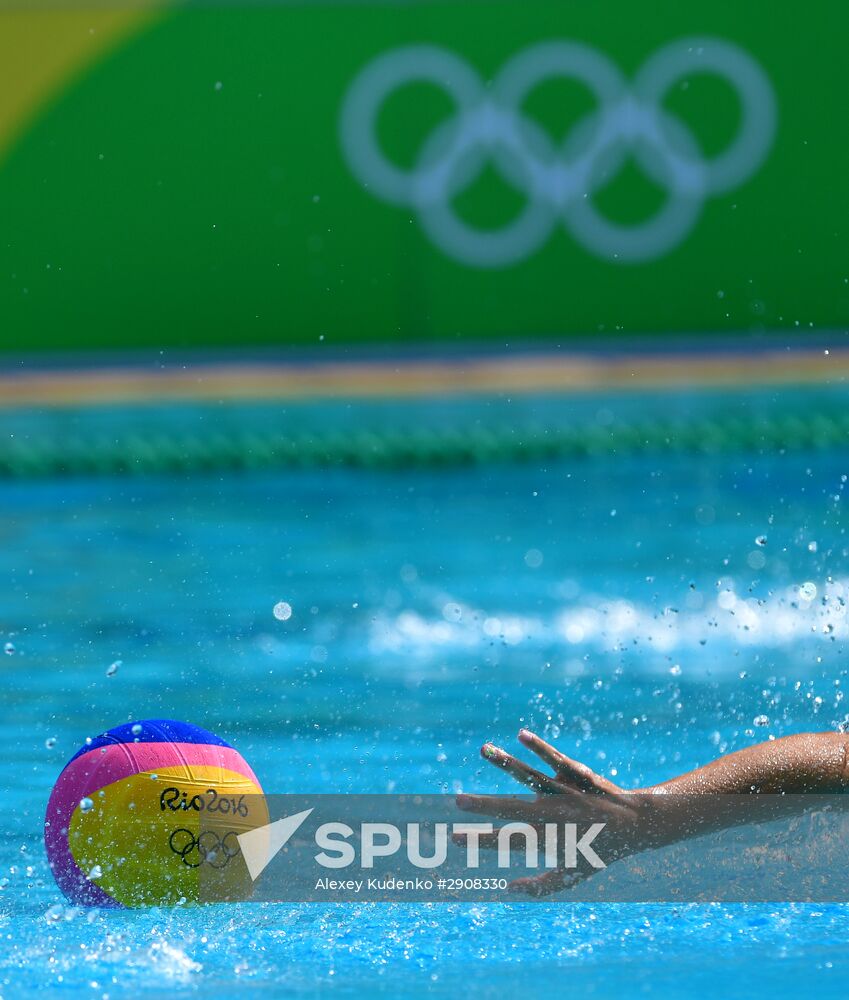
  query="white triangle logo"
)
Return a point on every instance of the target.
[{"x": 260, "y": 846}]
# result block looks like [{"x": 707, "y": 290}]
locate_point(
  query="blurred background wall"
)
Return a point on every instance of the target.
[{"x": 305, "y": 173}]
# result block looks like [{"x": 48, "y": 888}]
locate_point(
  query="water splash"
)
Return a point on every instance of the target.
[{"x": 730, "y": 617}]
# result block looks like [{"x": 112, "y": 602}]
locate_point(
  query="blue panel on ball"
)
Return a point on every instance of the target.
[{"x": 153, "y": 731}]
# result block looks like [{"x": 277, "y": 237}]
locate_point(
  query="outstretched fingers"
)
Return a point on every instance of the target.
[
  {"x": 492, "y": 841},
  {"x": 567, "y": 769},
  {"x": 570, "y": 771},
  {"x": 500, "y": 806},
  {"x": 519, "y": 770},
  {"x": 543, "y": 884}
]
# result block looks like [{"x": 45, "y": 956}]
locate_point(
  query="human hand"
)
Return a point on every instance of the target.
[{"x": 574, "y": 793}]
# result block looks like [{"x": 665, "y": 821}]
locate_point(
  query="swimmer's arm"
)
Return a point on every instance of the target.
[{"x": 804, "y": 763}]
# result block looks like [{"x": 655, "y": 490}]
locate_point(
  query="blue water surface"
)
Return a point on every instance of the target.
[{"x": 640, "y": 611}]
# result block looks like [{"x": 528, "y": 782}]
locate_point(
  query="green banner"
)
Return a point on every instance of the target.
[{"x": 337, "y": 173}]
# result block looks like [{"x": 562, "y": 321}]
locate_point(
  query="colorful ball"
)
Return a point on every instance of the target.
[{"x": 123, "y": 824}]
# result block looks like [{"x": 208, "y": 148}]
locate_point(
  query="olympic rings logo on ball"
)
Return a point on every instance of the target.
[
  {"x": 205, "y": 848},
  {"x": 558, "y": 181}
]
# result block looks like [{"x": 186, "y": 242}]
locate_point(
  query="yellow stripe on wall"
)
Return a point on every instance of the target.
[
  {"x": 519, "y": 372},
  {"x": 40, "y": 50}
]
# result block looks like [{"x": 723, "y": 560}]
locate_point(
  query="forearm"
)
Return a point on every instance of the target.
[
  {"x": 705, "y": 800},
  {"x": 807, "y": 762}
]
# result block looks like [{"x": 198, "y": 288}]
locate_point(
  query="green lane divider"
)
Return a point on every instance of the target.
[{"x": 156, "y": 453}]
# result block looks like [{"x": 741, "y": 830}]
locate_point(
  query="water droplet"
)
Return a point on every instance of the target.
[
  {"x": 86, "y": 805},
  {"x": 760, "y": 720},
  {"x": 113, "y": 668},
  {"x": 675, "y": 670},
  {"x": 808, "y": 591},
  {"x": 50, "y": 742},
  {"x": 282, "y": 611},
  {"x": 137, "y": 729},
  {"x": 9, "y": 649},
  {"x": 96, "y": 872},
  {"x": 533, "y": 558},
  {"x": 760, "y": 540}
]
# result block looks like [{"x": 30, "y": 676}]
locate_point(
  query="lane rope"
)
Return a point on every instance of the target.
[{"x": 188, "y": 453}]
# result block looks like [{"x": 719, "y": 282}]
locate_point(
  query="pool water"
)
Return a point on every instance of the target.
[{"x": 640, "y": 612}]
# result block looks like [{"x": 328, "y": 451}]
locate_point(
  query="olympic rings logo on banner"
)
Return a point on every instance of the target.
[
  {"x": 558, "y": 182},
  {"x": 206, "y": 847}
]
